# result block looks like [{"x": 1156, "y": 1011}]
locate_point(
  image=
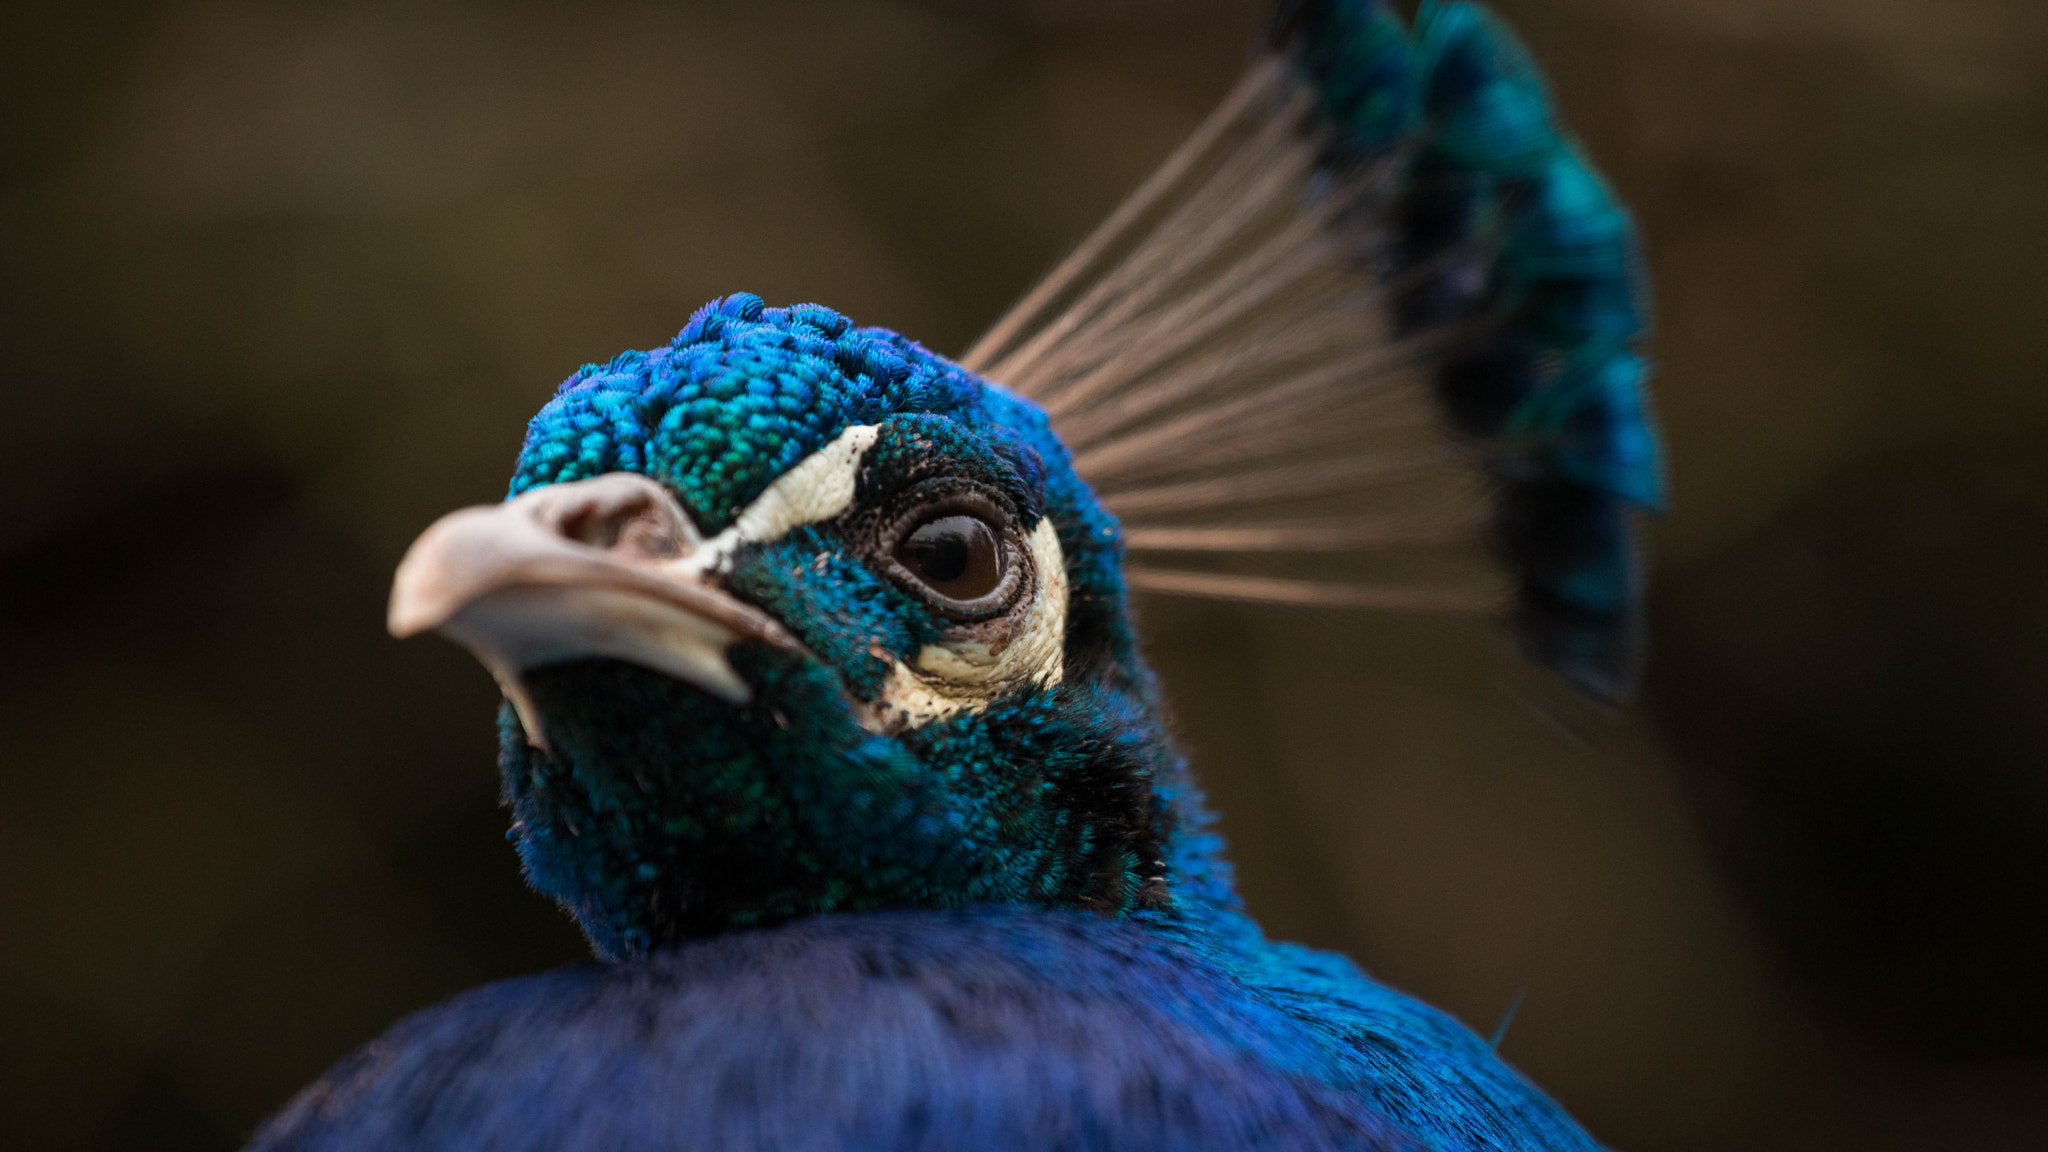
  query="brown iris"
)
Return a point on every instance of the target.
[{"x": 957, "y": 556}]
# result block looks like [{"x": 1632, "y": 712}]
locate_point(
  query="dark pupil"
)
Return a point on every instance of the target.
[{"x": 957, "y": 556}]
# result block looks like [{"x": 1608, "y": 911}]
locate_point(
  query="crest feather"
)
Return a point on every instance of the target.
[{"x": 1366, "y": 339}]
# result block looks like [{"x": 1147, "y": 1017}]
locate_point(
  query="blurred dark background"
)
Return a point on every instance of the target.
[{"x": 280, "y": 282}]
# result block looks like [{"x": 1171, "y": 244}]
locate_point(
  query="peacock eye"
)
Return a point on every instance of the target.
[{"x": 955, "y": 555}]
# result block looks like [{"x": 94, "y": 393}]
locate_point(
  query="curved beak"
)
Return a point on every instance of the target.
[{"x": 598, "y": 567}]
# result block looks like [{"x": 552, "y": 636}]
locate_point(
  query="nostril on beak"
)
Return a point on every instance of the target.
[
  {"x": 637, "y": 526},
  {"x": 620, "y": 513}
]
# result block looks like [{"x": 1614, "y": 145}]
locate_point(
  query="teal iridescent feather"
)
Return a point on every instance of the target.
[
  {"x": 1559, "y": 386},
  {"x": 1363, "y": 68}
]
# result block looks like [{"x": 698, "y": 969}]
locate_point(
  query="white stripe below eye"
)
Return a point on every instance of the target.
[{"x": 965, "y": 676}]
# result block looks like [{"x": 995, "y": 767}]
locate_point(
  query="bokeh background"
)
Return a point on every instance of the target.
[{"x": 279, "y": 283}]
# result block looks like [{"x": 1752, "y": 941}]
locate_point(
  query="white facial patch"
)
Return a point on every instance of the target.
[
  {"x": 968, "y": 674},
  {"x": 947, "y": 677},
  {"x": 818, "y": 488}
]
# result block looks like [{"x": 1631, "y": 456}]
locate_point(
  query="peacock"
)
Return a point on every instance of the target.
[{"x": 825, "y": 716}]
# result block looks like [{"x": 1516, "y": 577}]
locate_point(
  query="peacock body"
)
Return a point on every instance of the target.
[{"x": 825, "y": 714}]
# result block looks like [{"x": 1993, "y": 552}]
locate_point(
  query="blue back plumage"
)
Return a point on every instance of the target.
[{"x": 993, "y": 1030}]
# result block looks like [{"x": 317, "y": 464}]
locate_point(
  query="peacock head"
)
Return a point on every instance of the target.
[{"x": 792, "y": 617}]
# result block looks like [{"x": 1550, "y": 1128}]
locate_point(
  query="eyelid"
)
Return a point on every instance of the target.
[{"x": 943, "y": 491}]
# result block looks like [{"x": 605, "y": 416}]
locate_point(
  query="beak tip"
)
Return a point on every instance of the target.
[
  {"x": 504, "y": 582},
  {"x": 434, "y": 577},
  {"x": 406, "y": 616}
]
